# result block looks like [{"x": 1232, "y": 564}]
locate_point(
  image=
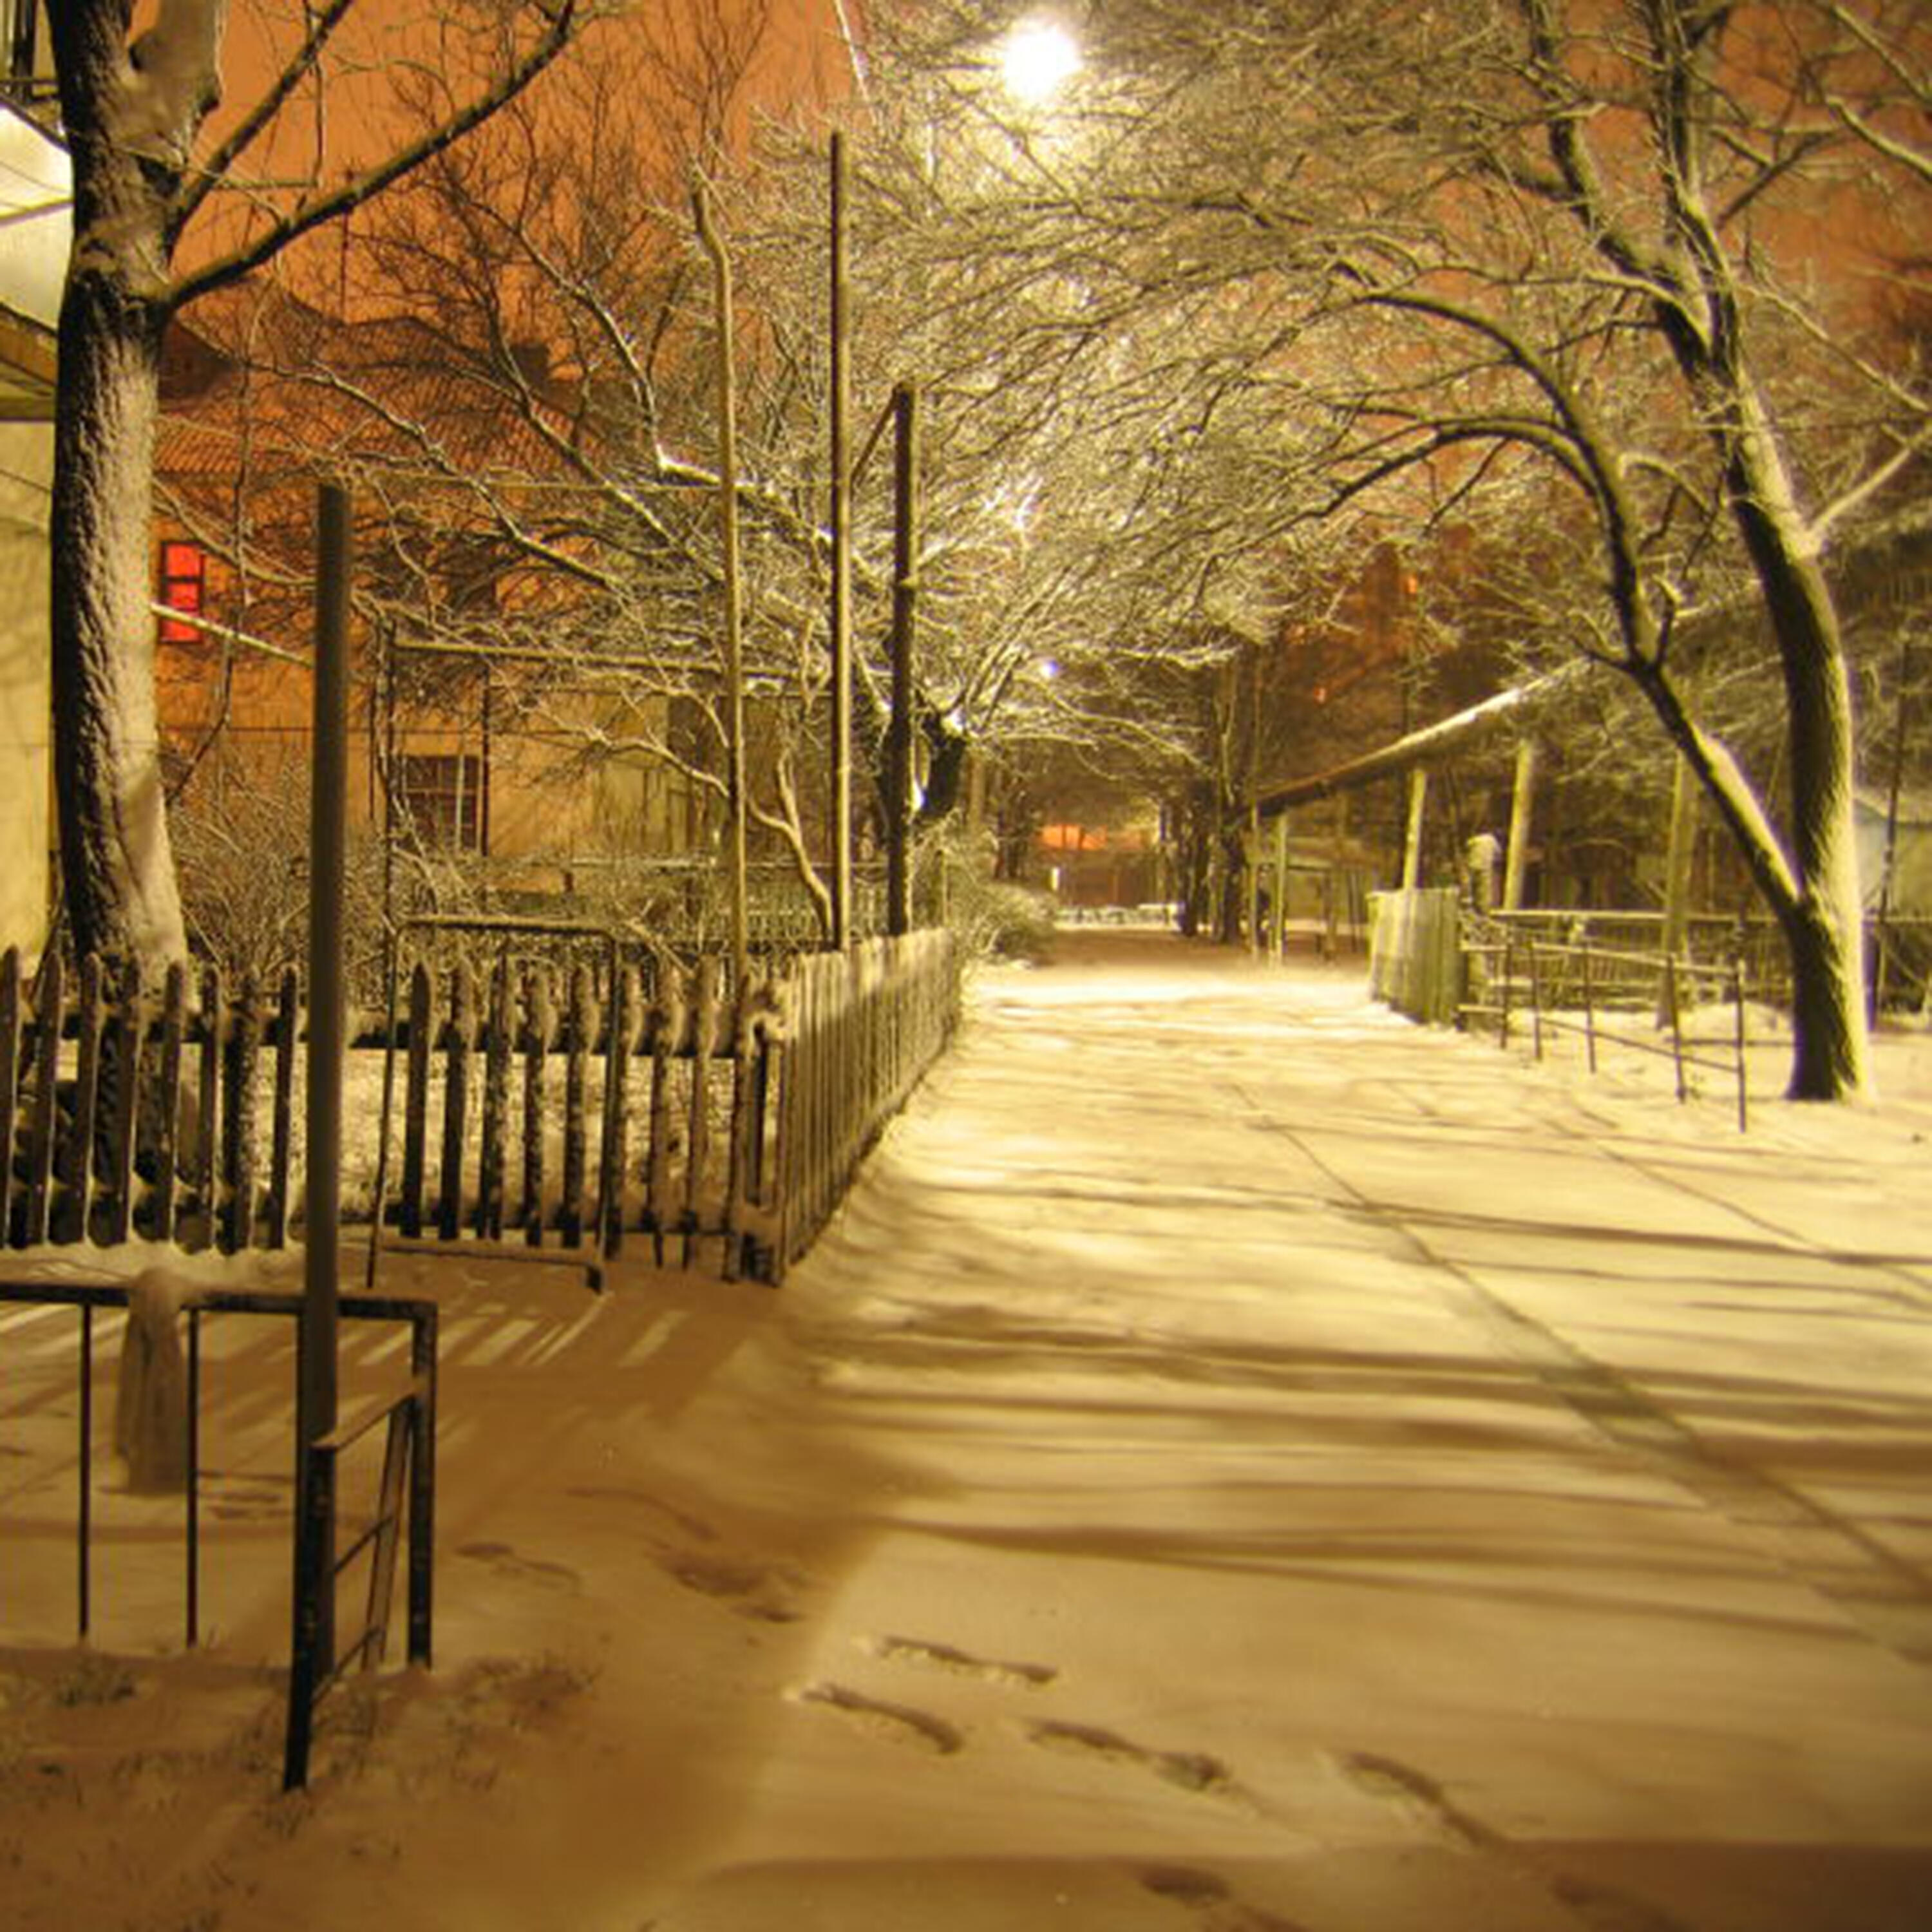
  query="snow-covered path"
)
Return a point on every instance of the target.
[{"x": 1237, "y": 1462}]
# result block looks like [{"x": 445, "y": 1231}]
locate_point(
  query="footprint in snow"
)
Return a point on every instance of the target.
[
  {"x": 1192, "y": 1770},
  {"x": 961, "y": 1663},
  {"x": 899, "y": 1722},
  {"x": 504, "y": 1561},
  {"x": 1599, "y": 1907},
  {"x": 766, "y": 1592},
  {"x": 1210, "y": 1896},
  {"x": 695, "y": 1528}
]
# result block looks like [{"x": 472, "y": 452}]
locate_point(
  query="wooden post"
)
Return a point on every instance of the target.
[
  {"x": 491, "y": 1179},
  {"x": 540, "y": 1028},
  {"x": 462, "y": 1036},
  {"x": 577, "y": 1026},
  {"x": 70, "y": 1224},
  {"x": 727, "y": 505},
  {"x": 241, "y": 1055},
  {"x": 167, "y": 1128},
  {"x": 280, "y": 1133},
  {"x": 416, "y": 1101},
  {"x": 905, "y": 593},
  {"x": 1516, "y": 857},
  {"x": 1412, "y": 843},
  {"x": 840, "y": 411}
]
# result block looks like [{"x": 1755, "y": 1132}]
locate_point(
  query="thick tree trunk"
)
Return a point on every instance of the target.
[
  {"x": 1824, "y": 927},
  {"x": 116, "y": 864},
  {"x": 131, "y": 113}
]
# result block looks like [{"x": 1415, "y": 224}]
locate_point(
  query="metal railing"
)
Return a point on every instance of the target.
[
  {"x": 1593, "y": 981},
  {"x": 406, "y": 1502}
]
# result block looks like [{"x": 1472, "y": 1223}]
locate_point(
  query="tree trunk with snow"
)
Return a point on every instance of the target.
[
  {"x": 1823, "y": 919},
  {"x": 133, "y": 104},
  {"x": 132, "y": 113}
]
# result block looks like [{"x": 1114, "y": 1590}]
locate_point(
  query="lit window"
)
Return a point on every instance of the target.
[{"x": 184, "y": 587}]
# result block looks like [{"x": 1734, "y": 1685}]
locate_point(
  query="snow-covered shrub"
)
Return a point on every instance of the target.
[{"x": 241, "y": 840}]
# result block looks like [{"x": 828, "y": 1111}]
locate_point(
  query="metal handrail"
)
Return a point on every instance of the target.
[
  {"x": 406, "y": 1498},
  {"x": 1669, "y": 972}
]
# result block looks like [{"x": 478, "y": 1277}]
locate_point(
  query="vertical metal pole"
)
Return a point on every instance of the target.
[
  {"x": 84, "y": 1516},
  {"x": 193, "y": 1478},
  {"x": 1737, "y": 1010},
  {"x": 1257, "y": 943},
  {"x": 422, "y": 1490},
  {"x": 840, "y": 411},
  {"x": 727, "y": 508},
  {"x": 1589, "y": 1012},
  {"x": 316, "y": 1358},
  {"x": 905, "y": 598},
  {"x": 1673, "y": 1003}
]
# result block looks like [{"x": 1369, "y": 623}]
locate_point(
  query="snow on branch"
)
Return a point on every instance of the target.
[{"x": 564, "y": 21}]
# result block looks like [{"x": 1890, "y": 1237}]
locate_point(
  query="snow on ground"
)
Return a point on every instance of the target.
[{"x": 1238, "y": 1463}]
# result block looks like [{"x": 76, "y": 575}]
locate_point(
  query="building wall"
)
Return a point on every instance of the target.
[{"x": 26, "y": 469}]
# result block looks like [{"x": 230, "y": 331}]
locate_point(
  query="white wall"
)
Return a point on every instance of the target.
[
  {"x": 34, "y": 182},
  {"x": 26, "y": 467}
]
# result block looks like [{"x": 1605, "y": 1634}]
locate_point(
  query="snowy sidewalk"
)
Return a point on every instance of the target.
[{"x": 1238, "y": 1463}]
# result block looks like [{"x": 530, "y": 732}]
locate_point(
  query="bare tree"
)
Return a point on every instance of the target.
[
  {"x": 150, "y": 171},
  {"x": 1446, "y": 251}
]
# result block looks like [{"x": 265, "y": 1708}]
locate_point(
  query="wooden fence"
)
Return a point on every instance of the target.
[
  {"x": 1413, "y": 963},
  {"x": 861, "y": 1028},
  {"x": 553, "y": 1107}
]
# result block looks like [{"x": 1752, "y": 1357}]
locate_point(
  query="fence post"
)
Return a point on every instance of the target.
[
  {"x": 124, "y": 1117},
  {"x": 71, "y": 1222},
  {"x": 1738, "y": 1007},
  {"x": 576, "y": 1028},
  {"x": 491, "y": 1178},
  {"x": 415, "y": 1101},
  {"x": 282, "y": 1135},
  {"x": 1589, "y": 1011},
  {"x": 47, "y": 1079},
  {"x": 540, "y": 1025},
  {"x": 1673, "y": 996},
  {"x": 456, "y": 1100},
  {"x": 167, "y": 1132},
  {"x": 240, "y": 1056},
  {"x": 207, "y": 1170}
]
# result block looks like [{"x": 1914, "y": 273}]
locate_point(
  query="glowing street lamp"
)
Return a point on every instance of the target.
[{"x": 1038, "y": 58}]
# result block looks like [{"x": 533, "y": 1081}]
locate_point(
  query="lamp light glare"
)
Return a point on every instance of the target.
[{"x": 1038, "y": 58}]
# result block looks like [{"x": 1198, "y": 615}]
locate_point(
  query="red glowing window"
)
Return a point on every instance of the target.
[{"x": 184, "y": 587}]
